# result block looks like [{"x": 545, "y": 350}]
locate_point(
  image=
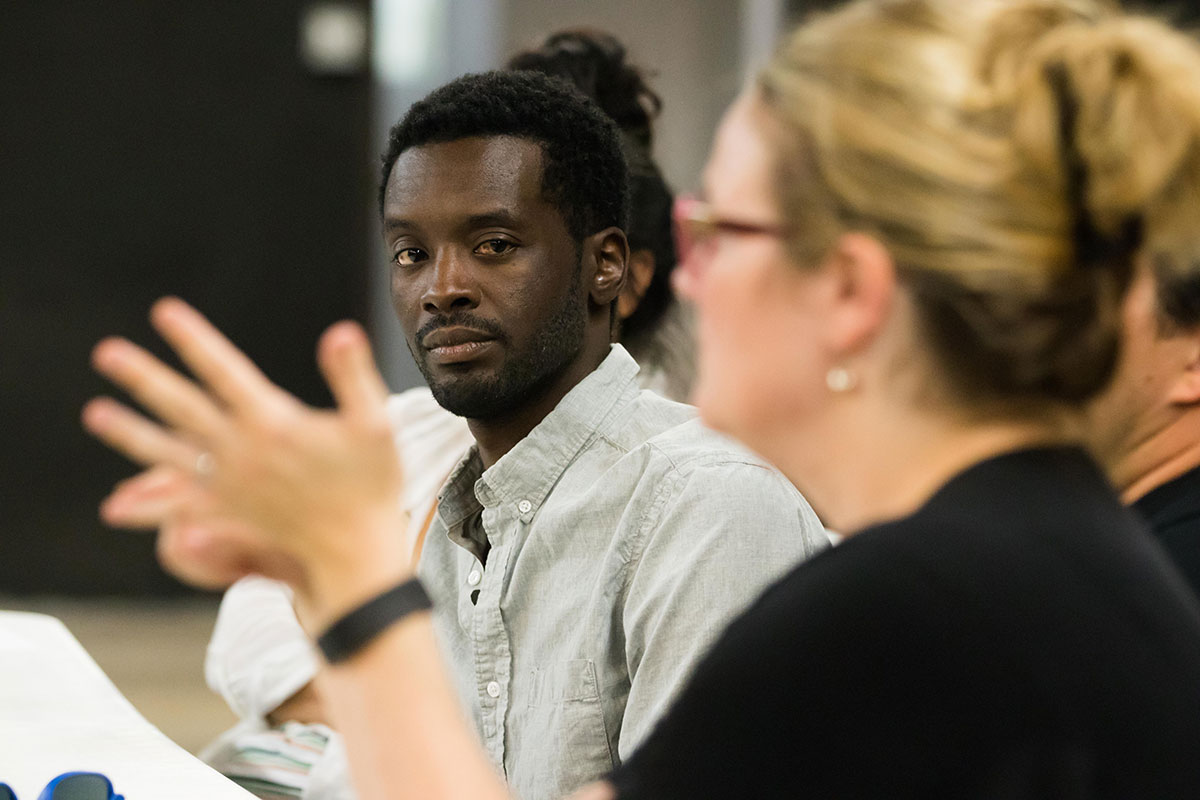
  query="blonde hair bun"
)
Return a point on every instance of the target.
[{"x": 981, "y": 141}]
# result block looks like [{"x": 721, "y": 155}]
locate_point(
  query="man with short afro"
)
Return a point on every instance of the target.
[{"x": 584, "y": 173}]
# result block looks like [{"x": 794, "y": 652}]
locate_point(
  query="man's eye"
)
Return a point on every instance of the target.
[
  {"x": 495, "y": 247},
  {"x": 409, "y": 256}
]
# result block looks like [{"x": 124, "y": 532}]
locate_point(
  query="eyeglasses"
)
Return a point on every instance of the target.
[
  {"x": 696, "y": 225},
  {"x": 71, "y": 786}
]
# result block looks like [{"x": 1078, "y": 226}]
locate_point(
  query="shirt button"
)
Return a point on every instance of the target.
[
  {"x": 524, "y": 506},
  {"x": 493, "y": 689},
  {"x": 474, "y": 577}
]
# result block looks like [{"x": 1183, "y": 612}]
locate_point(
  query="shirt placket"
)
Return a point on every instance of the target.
[{"x": 492, "y": 647}]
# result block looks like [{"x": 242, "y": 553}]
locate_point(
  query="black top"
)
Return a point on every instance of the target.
[
  {"x": 1173, "y": 512},
  {"x": 1018, "y": 636}
]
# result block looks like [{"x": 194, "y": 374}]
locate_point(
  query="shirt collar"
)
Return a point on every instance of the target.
[{"x": 525, "y": 474}]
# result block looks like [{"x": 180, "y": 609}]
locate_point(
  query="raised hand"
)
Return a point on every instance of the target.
[{"x": 246, "y": 478}]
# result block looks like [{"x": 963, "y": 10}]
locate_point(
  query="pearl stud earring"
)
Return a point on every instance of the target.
[{"x": 840, "y": 379}]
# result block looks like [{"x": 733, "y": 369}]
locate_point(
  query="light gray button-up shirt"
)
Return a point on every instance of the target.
[{"x": 577, "y": 581}]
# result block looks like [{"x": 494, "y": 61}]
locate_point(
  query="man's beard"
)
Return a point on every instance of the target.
[{"x": 522, "y": 376}]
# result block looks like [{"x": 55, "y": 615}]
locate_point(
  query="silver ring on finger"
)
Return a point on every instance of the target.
[{"x": 205, "y": 465}]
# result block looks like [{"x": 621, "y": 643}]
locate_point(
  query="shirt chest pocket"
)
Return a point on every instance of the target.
[
  {"x": 565, "y": 682},
  {"x": 565, "y": 709}
]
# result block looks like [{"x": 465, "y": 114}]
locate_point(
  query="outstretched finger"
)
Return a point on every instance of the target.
[
  {"x": 344, "y": 355},
  {"x": 225, "y": 369},
  {"x": 147, "y": 500},
  {"x": 212, "y": 553},
  {"x": 136, "y": 437},
  {"x": 192, "y": 553},
  {"x": 161, "y": 390}
]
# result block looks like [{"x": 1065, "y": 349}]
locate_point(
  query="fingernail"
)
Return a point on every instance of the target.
[
  {"x": 168, "y": 309},
  {"x": 95, "y": 414},
  {"x": 345, "y": 333},
  {"x": 106, "y": 354},
  {"x": 111, "y": 510}
]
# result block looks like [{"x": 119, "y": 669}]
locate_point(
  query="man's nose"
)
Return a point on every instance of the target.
[{"x": 453, "y": 286}]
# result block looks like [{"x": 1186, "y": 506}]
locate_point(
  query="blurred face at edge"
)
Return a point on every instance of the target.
[{"x": 759, "y": 371}]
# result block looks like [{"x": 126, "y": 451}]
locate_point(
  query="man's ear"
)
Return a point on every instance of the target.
[
  {"x": 637, "y": 281},
  {"x": 1185, "y": 391},
  {"x": 610, "y": 255}
]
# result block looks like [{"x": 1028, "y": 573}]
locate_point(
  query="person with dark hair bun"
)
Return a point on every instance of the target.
[
  {"x": 594, "y": 62},
  {"x": 654, "y": 326}
]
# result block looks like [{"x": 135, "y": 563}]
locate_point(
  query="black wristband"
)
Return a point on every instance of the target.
[{"x": 356, "y": 629}]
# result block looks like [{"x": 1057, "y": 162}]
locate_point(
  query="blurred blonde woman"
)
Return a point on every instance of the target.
[{"x": 919, "y": 224}]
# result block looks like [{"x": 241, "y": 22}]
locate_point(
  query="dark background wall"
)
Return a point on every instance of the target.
[
  {"x": 162, "y": 146},
  {"x": 149, "y": 148}
]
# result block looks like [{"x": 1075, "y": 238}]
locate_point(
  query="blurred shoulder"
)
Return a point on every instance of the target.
[
  {"x": 416, "y": 416},
  {"x": 416, "y": 407},
  {"x": 689, "y": 461},
  {"x": 430, "y": 440},
  {"x": 691, "y": 445}
]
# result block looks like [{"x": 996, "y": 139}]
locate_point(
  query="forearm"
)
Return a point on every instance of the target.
[{"x": 405, "y": 733}]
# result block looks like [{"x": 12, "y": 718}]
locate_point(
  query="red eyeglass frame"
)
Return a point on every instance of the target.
[{"x": 694, "y": 222}]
